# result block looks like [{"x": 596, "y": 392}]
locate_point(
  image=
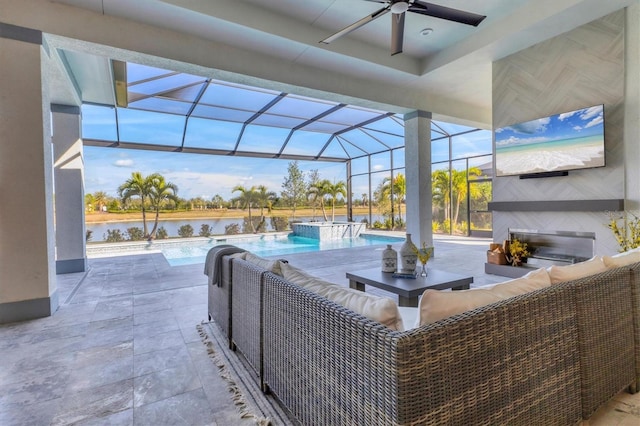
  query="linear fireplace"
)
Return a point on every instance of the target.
[{"x": 548, "y": 248}]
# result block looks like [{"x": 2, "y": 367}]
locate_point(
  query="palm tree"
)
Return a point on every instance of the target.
[
  {"x": 100, "y": 198},
  {"x": 395, "y": 191},
  {"x": 265, "y": 198},
  {"x": 89, "y": 202},
  {"x": 460, "y": 185},
  {"x": 136, "y": 186},
  {"x": 319, "y": 191},
  {"x": 160, "y": 191},
  {"x": 441, "y": 190},
  {"x": 333, "y": 190},
  {"x": 247, "y": 197}
]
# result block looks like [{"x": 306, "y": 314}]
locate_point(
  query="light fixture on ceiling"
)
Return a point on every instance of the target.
[
  {"x": 399, "y": 7},
  {"x": 425, "y": 32}
]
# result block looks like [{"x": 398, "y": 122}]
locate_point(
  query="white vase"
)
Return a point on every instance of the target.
[
  {"x": 389, "y": 259},
  {"x": 408, "y": 256}
]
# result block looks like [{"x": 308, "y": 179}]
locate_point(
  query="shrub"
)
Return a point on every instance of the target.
[
  {"x": 113, "y": 236},
  {"x": 232, "y": 229},
  {"x": 88, "y": 235},
  {"x": 185, "y": 231},
  {"x": 135, "y": 234},
  {"x": 161, "y": 233},
  {"x": 205, "y": 230},
  {"x": 279, "y": 223},
  {"x": 262, "y": 225},
  {"x": 378, "y": 225},
  {"x": 258, "y": 224}
]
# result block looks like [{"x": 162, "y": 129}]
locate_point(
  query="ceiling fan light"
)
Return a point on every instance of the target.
[{"x": 399, "y": 7}]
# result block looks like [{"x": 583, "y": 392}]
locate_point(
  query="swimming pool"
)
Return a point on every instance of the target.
[{"x": 270, "y": 246}]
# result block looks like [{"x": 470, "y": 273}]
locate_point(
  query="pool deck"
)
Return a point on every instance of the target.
[{"x": 123, "y": 349}]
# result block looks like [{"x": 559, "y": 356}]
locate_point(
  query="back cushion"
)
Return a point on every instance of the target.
[
  {"x": 380, "y": 309},
  {"x": 436, "y": 304},
  {"x": 269, "y": 265},
  {"x": 622, "y": 259},
  {"x": 534, "y": 280},
  {"x": 560, "y": 274}
]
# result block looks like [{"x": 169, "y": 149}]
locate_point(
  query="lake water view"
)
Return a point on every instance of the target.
[{"x": 99, "y": 230}]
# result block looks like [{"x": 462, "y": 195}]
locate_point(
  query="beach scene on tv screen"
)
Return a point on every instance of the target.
[{"x": 567, "y": 141}]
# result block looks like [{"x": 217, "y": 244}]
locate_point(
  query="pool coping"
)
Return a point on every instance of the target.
[{"x": 124, "y": 248}]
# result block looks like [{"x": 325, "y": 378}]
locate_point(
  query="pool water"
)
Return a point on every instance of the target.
[{"x": 271, "y": 246}]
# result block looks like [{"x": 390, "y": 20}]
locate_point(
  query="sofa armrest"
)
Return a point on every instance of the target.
[
  {"x": 512, "y": 362},
  {"x": 327, "y": 364},
  {"x": 635, "y": 301},
  {"x": 219, "y": 305},
  {"x": 606, "y": 324},
  {"x": 246, "y": 312}
]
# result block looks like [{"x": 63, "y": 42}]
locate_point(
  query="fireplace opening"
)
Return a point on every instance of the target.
[{"x": 555, "y": 247}]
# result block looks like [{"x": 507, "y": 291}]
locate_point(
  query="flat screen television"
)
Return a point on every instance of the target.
[{"x": 568, "y": 141}]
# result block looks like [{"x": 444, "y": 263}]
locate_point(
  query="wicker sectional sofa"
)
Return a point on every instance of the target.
[{"x": 551, "y": 356}]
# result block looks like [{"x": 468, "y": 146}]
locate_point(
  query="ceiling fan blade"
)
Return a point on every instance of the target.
[
  {"x": 356, "y": 25},
  {"x": 397, "y": 33},
  {"x": 447, "y": 13}
]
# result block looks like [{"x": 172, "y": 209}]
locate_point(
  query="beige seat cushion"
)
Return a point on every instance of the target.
[
  {"x": 560, "y": 274},
  {"x": 622, "y": 259},
  {"x": 380, "y": 309},
  {"x": 269, "y": 265},
  {"x": 437, "y": 304}
]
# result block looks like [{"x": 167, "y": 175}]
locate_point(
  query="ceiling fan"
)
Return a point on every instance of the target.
[{"x": 398, "y": 9}]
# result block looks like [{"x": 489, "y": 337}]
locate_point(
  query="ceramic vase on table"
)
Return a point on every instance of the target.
[
  {"x": 389, "y": 259},
  {"x": 408, "y": 256}
]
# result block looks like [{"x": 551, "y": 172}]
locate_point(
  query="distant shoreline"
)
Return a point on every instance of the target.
[{"x": 98, "y": 217}]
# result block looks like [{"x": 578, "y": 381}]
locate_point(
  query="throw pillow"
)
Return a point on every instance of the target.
[
  {"x": 269, "y": 265},
  {"x": 561, "y": 274}
]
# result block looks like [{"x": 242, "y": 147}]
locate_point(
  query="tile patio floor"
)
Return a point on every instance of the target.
[{"x": 123, "y": 349}]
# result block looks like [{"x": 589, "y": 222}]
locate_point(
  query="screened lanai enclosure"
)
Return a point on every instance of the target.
[{"x": 162, "y": 110}]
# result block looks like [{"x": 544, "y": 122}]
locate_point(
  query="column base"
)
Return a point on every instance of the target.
[
  {"x": 28, "y": 309},
  {"x": 71, "y": 265}
]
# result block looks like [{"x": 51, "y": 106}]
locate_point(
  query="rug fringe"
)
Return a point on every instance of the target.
[{"x": 237, "y": 397}]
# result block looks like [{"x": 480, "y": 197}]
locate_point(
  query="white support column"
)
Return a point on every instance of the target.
[
  {"x": 27, "y": 267},
  {"x": 632, "y": 110},
  {"x": 417, "y": 138},
  {"x": 69, "y": 190}
]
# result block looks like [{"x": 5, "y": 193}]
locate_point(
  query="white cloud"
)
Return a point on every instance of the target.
[
  {"x": 566, "y": 115},
  {"x": 125, "y": 162},
  {"x": 377, "y": 167},
  {"x": 589, "y": 113},
  {"x": 531, "y": 127},
  {"x": 596, "y": 121}
]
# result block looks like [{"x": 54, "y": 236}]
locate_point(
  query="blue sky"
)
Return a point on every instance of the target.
[
  {"x": 199, "y": 175},
  {"x": 579, "y": 123},
  {"x": 196, "y": 175}
]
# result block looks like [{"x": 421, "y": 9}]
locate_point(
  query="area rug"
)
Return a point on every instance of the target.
[{"x": 250, "y": 401}]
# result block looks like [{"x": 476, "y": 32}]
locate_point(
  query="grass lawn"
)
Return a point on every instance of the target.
[{"x": 96, "y": 217}]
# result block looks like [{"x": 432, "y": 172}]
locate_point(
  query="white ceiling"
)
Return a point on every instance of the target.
[{"x": 454, "y": 62}]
